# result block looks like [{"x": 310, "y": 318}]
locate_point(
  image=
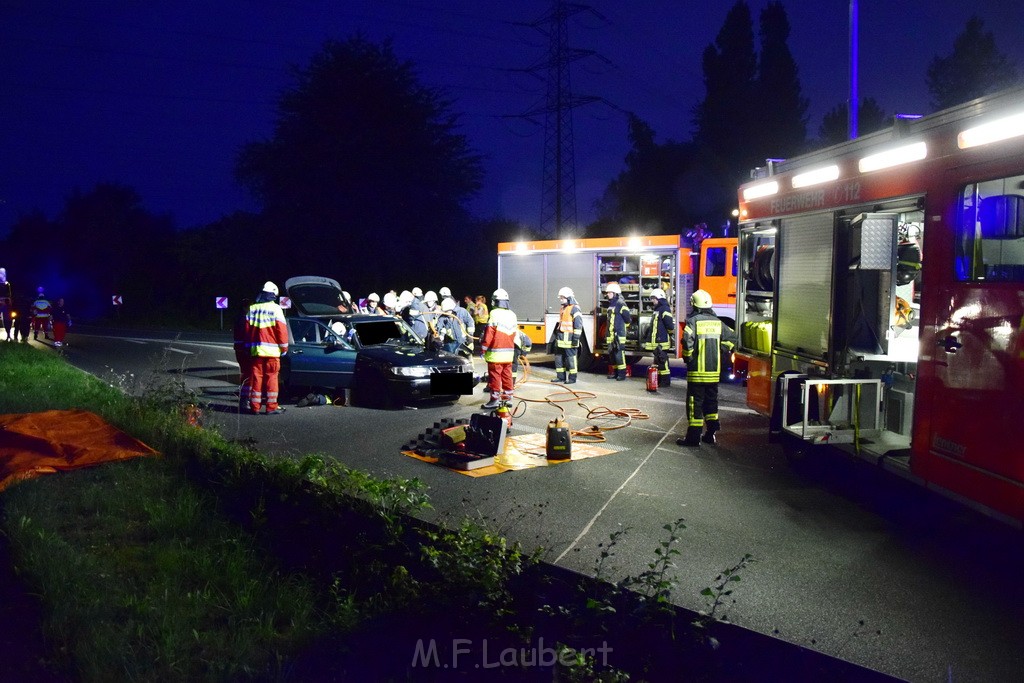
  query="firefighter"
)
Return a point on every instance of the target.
[
  {"x": 267, "y": 334},
  {"x": 660, "y": 341},
  {"x": 6, "y": 303},
  {"x": 462, "y": 314},
  {"x": 704, "y": 339},
  {"x": 567, "y": 337},
  {"x": 42, "y": 312},
  {"x": 449, "y": 327},
  {"x": 430, "y": 309},
  {"x": 390, "y": 303},
  {"x": 498, "y": 345},
  {"x": 618, "y": 317},
  {"x": 409, "y": 311},
  {"x": 373, "y": 305}
]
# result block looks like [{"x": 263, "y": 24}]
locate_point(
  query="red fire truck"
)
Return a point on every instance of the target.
[{"x": 880, "y": 300}]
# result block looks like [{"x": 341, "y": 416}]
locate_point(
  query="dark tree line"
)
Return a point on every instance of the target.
[{"x": 365, "y": 176}]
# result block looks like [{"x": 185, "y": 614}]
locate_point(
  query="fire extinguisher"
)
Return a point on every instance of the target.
[{"x": 652, "y": 377}]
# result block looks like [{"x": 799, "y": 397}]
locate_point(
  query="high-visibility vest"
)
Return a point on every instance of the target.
[
  {"x": 570, "y": 324},
  {"x": 499, "y": 338},
  {"x": 267, "y": 330}
]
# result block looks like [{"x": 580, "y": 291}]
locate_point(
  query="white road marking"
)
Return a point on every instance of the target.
[
  {"x": 187, "y": 353},
  {"x": 232, "y": 363},
  {"x": 129, "y": 339},
  {"x": 586, "y": 529}
]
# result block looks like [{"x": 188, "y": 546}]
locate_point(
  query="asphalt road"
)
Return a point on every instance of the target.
[{"x": 849, "y": 560}]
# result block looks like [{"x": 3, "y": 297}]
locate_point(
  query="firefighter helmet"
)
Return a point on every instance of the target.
[
  {"x": 612, "y": 288},
  {"x": 657, "y": 293},
  {"x": 40, "y": 291},
  {"x": 500, "y": 295},
  {"x": 268, "y": 286},
  {"x": 700, "y": 299},
  {"x": 430, "y": 296},
  {"x": 390, "y": 300},
  {"x": 444, "y": 291},
  {"x": 373, "y": 297},
  {"x": 566, "y": 292},
  {"x": 417, "y": 292},
  {"x": 448, "y": 304}
]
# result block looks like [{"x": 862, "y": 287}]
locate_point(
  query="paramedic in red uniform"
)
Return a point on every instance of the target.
[
  {"x": 498, "y": 344},
  {"x": 268, "y": 341}
]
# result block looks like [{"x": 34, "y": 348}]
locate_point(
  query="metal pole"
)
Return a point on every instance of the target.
[{"x": 854, "y": 103}]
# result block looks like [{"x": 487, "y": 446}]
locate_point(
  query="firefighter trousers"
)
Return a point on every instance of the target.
[
  {"x": 701, "y": 403},
  {"x": 264, "y": 382},
  {"x": 565, "y": 362}
]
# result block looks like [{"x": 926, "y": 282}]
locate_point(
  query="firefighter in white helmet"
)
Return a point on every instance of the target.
[
  {"x": 617, "y": 317},
  {"x": 567, "y": 337},
  {"x": 662, "y": 331},
  {"x": 498, "y": 345},
  {"x": 267, "y": 334},
  {"x": 704, "y": 339},
  {"x": 372, "y": 306}
]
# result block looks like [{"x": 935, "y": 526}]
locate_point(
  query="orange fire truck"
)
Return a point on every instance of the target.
[
  {"x": 533, "y": 272},
  {"x": 880, "y": 301}
]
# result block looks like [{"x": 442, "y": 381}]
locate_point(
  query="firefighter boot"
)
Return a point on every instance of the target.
[
  {"x": 692, "y": 437},
  {"x": 664, "y": 381},
  {"x": 620, "y": 375},
  {"x": 709, "y": 434},
  {"x": 571, "y": 380},
  {"x": 559, "y": 378}
]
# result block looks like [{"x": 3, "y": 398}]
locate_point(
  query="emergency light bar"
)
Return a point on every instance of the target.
[
  {"x": 993, "y": 131},
  {"x": 761, "y": 190},
  {"x": 815, "y": 176},
  {"x": 893, "y": 157}
]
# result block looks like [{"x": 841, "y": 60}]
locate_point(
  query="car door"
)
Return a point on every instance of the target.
[{"x": 317, "y": 356}]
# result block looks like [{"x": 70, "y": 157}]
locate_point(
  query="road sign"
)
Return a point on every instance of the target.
[
  {"x": 286, "y": 302},
  {"x": 222, "y": 302},
  {"x": 116, "y": 300}
]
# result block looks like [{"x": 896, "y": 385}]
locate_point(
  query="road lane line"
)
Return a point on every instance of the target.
[
  {"x": 232, "y": 363},
  {"x": 187, "y": 353},
  {"x": 586, "y": 529}
]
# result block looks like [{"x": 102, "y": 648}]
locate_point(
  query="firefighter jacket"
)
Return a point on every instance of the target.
[
  {"x": 570, "y": 326},
  {"x": 499, "y": 339},
  {"x": 662, "y": 326},
  {"x": 266, "y": 330},
  {"x": 6, "y": 296},
  {"x": 618, "y": 317},
  {"x": 41, "y": 309},
  {"x": 704, "y": 339},
  {"x": 449, "y": 327},
  {"x": 467, "y": 320}
]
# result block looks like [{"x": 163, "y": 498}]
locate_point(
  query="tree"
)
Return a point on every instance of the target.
[
  {"x": 365, "y": 166},
  {"x": 835, "y": 125},
  {"x": 974, "y": 68},
  {"x": 783, "y": 109}
]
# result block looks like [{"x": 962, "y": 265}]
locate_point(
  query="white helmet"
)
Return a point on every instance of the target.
[
  {"x": 373, "y": 297},
  {"x": 417, "y": 292},
  {"x": 657, "y": 293},
  {"x": 612, "y": 288},
  {"x": 346, "y": 296},
  {"x": 268, "y": 286},
  {"x": 500, "y": 295},
  {"x": 448, "y": 304},
  {"x": 338, "y": 328},
  {"x": 404, "y": 299},
  {"x": 430, "y": 297},
  {"x": 444, "y": 291},
  {"x": 700, "y": 299},
  {"x": 390, "y": 300},
  {"x": 566, "y": 292}
]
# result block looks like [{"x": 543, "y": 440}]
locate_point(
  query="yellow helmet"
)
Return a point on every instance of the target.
[{"x": 700, "y": 299}]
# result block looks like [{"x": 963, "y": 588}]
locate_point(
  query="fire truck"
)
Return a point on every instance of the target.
[
  {"x": 880, "y": 300},
  {"x": 533, "y": 272}
]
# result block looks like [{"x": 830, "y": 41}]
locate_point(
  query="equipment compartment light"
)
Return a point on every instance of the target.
[
  {"x": 993, "y": 131},
  {"x": 815, "y": 176},
  {"x": 761, "y": 190},
  {"x": 569, "y": 245},
  {"x": 520, "y": 247},
  {"x": 893, "y": 157}
]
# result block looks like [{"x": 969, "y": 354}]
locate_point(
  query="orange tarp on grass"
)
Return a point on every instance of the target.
[{"x": 32, "y": 444}]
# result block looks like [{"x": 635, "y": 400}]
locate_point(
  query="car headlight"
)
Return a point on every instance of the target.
[{"x": 412, "y": 371}]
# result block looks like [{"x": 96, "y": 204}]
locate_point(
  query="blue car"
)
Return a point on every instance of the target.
[{"x": 379, "y": 358}]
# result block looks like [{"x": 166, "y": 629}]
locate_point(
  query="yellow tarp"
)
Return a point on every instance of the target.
[
  {"x": 523, "y": 452},
  {"x": 32, "y": 444}
]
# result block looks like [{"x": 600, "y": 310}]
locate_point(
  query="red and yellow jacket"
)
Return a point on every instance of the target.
[
  {"x": 499, "y": 340},
  {"x": 267, "y": 331}
]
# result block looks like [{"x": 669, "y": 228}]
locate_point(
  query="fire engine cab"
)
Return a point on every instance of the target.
[{"x": 880, "y": 300}]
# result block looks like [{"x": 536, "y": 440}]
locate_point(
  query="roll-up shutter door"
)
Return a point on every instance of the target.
[{"x": 805, "y": 284}]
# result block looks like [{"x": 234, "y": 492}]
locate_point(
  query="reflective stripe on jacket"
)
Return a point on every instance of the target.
[
  {"x": 704, "y": 337},
  {"x": 618, "y": 316},
  {"x": 267, "y": 331},
  {"x": 41, "y": 308},
  {"x": 570, "y": 326},
  {"x": 499, "y": 338},
  {"x": 662, "y": 326}
]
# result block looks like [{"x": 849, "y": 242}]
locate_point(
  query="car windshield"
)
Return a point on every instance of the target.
[
  {"x": 385, "y": 331},
  {"x": 314, "y": 299}
]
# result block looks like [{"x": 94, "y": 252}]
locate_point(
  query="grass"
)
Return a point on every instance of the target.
[{"x": 142, "y": 578}]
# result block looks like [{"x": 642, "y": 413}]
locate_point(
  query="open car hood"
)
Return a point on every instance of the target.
[{"x": 313, "y": 295}]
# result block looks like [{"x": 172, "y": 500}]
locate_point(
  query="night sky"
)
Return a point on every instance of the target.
[{"x": 160, "y": 95}]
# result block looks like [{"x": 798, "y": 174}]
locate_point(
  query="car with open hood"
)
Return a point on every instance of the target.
[{"x": 378, "y": 357}]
